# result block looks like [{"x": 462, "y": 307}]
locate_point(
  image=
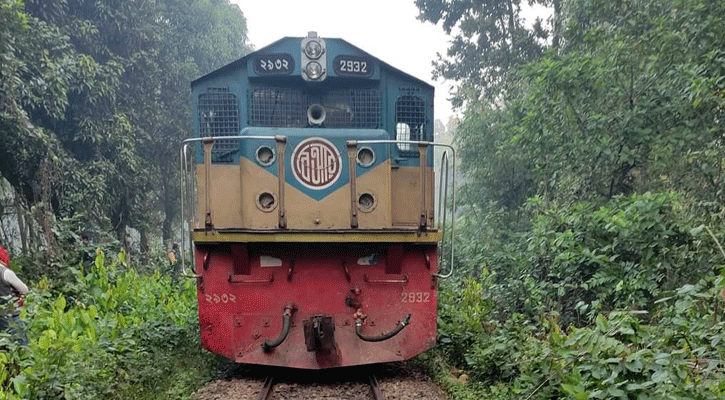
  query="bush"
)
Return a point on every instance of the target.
[
  {"x": 679, "y": 356},
  {"x": 585, "y": 259},
  {"x": 623, "y": 300},
  {"x": 110, "y": 333}
]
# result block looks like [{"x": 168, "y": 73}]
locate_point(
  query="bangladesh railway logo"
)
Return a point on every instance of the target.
[{"x": 316, "y": 163}]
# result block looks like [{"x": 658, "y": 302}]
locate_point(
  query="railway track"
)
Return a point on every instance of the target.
[
  {"x": 267, "y": 388},
  {"x": 396, "y": 381}
]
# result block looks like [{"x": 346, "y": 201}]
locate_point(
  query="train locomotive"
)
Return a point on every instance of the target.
[{"x": 309, "y": 193}]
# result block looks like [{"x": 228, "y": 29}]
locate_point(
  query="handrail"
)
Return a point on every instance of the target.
[
  {"x": 443, "y": 199},
  {"x": 352, "y": 176},
  {"x": 402, "y": 279},
  {"x": 184, "y": 167},
  {"x": 453, "y": 191},
  {"x": 422, "y": 153},
  {"x": 184, "y": 185}
]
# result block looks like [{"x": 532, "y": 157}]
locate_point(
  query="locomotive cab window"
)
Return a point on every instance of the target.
[
  {"x": 402, "y": 132},
  {"x": 409, "y": 121},
  {"x": 219, "y": 116}
]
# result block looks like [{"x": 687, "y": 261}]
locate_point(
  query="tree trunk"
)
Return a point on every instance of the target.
[
  {"x": 144, "y": 243},
  {"x": 21, "y": 224},
  {"x": 555, "y": 41},
  {"x": 512, "y": 24},
  {"x": 170, "y": 197}
]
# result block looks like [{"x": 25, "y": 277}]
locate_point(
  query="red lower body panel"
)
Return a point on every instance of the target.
[{"x": 245, "y": 288}]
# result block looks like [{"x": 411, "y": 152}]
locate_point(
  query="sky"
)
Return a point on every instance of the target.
[{"x": 387, "y": 29}]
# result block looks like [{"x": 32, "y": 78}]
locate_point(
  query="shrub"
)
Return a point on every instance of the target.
[{"x": 110, "y": 333}]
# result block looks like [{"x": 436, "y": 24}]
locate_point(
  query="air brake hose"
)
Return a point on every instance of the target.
[
  {"x": 286, "y": 317},
  {"x": 401, "y": 324}
]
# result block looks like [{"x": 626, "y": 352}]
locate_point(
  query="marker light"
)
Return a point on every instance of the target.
[
  {"x": 313, "y": 49},
  {"x": 313, "y": 70},
  {"x": 313, "y": 58}
]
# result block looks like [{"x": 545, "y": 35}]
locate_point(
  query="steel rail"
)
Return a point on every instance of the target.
[
  {"x": 375, "y": 387},
  {"x": 266, "y": 388}
]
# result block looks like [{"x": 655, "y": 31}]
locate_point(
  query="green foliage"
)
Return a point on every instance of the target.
[
  {"x": 582, "y": 259},
  {"x": 118, "y": 334},
  {"x": 632, "y": 102},
  {"x": 624, "y": 254},
  {"x": 94, "y": 101},
  {"x": 463, "y": 327},
  {"x": 591, "y": 217},
  {"x": 490, "y": 39},
  {"x": 679, "y": 356},
  {"x": 617, "y": 275}
]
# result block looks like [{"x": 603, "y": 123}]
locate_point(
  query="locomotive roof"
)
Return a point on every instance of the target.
[{"x": 242, "y": 61}]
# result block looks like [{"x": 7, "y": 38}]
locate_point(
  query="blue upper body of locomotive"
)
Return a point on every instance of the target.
[{"x": 302, "y": 88}]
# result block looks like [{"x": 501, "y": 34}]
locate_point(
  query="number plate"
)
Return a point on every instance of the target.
[
  {"x": 353, "y": 66},
  {"x": 273, "y": 64},
  {"x": 415, "y": 297},
  {"x": 224, "y": 298}
]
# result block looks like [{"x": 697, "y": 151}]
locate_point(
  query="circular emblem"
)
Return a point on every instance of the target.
[{"x": 316, "y": 163}]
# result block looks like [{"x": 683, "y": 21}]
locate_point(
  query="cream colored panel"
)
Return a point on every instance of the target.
[
  {"x": 332, "y": 212},
  {"x": 255, "y": 181},
  {"x": 376, "y": 182},
  {"x": 406, "y": 204},
  {"x": 303, "y": 212},
  {"x": 198, "y": 219},
  {"x": 224, "y": 190},
  {"x": 396, "y": 192}
]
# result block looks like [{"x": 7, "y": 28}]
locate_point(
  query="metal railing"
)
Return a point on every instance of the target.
[
  {"x": 185, "y": 146},
  {"x": 442, "y": 192},
  {"x": 442, "y": 197}
]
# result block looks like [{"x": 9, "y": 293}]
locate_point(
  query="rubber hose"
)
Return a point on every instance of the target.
[
  {"x": 270, "y": 344},
  {"x": 402, "y": 324}
]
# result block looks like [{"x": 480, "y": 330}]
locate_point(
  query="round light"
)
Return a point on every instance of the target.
[
  {"x": 313, "y": 49},
  {"x": 313, "y": 70},
  {"x": 265, "y": 156},
  {"x": 266, "y": 202},
  {"x": 365, "y": 157},
  {"x": 366, "y": 202}
]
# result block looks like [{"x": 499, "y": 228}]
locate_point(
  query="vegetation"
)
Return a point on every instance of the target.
[
  {"x": 589, "y": 252},
  {"x": 94, "y": 100},
  {"x": 592, "y": 221},
  {"x": 109, "y": 333}
]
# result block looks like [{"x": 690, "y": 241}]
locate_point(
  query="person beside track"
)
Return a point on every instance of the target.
[{"x": 12, "y": 290}]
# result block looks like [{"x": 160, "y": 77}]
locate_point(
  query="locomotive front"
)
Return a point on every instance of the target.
[{"x": 311, "y": 207}]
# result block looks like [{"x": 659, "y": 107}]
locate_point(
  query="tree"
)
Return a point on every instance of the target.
[
  {"x": 490, "y": 38},
  {"x": 97, "y": 99},
  {"x": 632, "y": 101},
  {"x": 39, "y": 70},
  {"x": 203, "y": 36},
  {"x": 633, "y": 104}
]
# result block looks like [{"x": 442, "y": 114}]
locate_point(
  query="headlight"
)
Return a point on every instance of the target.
[
  {"x": 313, "y": 70},
  {"x": 365, "y": 156},
  {"x": 313, "y": 58},
  {"x": 313, "y": 49}
]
